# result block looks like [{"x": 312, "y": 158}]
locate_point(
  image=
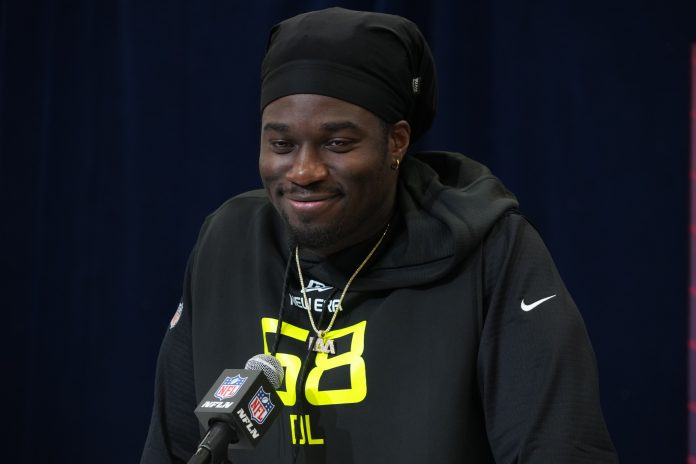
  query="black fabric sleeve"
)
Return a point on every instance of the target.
[
  {"x": 537, "y": 370},
  {"x": 174, "y": 434}
]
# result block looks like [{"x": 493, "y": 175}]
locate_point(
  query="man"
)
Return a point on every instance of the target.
[{"x": 418, "y": 316}]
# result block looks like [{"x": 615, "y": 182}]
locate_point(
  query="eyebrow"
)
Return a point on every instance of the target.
[
  {"x": 337, "y": 126},
  {"x": 332, "y": 126},
  {"x": 276, "y": 126}
]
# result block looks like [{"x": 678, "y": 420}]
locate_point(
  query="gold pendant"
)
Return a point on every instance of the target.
[{"x": 320, "y": 345}]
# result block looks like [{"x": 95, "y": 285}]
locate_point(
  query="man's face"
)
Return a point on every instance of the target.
[{"x": 325, "y": 164}]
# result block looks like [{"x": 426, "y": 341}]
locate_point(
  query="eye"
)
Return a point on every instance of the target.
[
  {"x": 339, "y": 145},
  {"x": 281, "y": 146}
]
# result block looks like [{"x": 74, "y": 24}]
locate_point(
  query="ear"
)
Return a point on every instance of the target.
[{"x": 399, "y": 139}]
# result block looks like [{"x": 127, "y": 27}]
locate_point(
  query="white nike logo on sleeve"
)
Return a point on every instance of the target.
[{"x": 529, "y": 307}]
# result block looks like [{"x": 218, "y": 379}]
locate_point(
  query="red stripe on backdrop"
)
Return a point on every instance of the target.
[
  {"x": 692, "y": 344},
  {"x": 691, "y": 460}
]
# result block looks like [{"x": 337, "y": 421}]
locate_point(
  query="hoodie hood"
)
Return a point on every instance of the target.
[{"x": 446, "y": 205}]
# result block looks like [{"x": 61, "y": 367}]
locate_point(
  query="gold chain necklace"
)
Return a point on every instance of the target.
[{"x": 320, "y": 344}]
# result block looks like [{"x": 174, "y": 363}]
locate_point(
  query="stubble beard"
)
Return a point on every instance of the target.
[{"x": 313, "y": 236}]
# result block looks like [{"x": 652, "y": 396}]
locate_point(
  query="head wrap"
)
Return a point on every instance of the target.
[{"x": 378, "y": 61}]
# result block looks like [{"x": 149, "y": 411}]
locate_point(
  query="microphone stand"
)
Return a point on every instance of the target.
[{"x": 213, "y": 448}]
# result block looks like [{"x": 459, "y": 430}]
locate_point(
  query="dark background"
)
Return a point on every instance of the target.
[{"x": 122, "y": 124}]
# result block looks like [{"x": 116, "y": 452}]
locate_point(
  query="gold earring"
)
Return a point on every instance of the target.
[{"x": 395, "y": 164}]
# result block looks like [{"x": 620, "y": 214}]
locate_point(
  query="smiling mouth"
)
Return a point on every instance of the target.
[{"x": 310, "y": 203}]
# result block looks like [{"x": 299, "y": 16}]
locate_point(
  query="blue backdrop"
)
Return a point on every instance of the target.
[{"x": 122, "y": 124}]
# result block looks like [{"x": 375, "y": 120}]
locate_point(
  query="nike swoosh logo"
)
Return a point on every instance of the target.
[{"x": 529, "y": 307}]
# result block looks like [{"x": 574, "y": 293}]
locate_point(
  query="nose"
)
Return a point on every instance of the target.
[{"x": 308, "y": 167}]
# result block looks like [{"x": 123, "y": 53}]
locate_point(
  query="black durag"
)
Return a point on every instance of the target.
[{"x": 378, "y": 61}]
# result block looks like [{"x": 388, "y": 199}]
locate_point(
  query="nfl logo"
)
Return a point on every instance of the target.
[
  {"x": 229, "y": 387},
  {"x": 260, "y": 405}
]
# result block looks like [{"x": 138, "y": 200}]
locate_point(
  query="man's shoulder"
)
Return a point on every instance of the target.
[
  {"x": 240, "y": 212},
  {"x": 241, "y": 205}
]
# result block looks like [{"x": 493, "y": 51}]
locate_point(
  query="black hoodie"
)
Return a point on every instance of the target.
[{"x": 458, "y": 343}]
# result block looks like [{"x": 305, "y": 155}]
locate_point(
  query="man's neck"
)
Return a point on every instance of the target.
[{"x": 347, "y": 259}]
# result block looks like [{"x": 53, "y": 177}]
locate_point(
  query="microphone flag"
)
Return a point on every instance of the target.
[{"x": 244, "y": 399}]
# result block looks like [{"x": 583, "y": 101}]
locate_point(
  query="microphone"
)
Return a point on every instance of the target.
[{"x": 239, "y": 408}]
